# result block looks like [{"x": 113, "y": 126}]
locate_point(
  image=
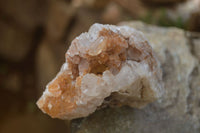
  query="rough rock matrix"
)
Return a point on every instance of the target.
[
  {"x": 108, "y": 65},
  {"x": 178, "y": 110}
]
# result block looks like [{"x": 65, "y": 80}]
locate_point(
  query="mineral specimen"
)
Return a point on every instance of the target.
[{"x": 107, "y": 66}]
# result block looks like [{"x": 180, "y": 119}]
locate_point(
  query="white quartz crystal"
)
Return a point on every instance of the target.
[{"x": 107, "y": 66}]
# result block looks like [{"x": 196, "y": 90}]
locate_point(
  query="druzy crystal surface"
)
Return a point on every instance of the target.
[{"x": 106, "y": 66}]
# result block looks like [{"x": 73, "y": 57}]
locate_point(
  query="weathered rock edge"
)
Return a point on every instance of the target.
[{"x": 179, "y": 109}]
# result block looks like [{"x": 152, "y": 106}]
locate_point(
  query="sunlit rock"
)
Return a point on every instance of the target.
[{"x": 107, "y": 66}]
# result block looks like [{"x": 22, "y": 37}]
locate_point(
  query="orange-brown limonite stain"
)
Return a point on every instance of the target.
[
  {"x": 112, "y": 55},
  {"x": 62, "y": 89},
  {"x": 64, "y": 92},
  {"x": 115, "y": 42},
  {"x": 63, "y": 96}
]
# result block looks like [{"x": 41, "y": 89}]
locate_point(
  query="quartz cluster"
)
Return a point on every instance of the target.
[{"x": 106, "y": 66}]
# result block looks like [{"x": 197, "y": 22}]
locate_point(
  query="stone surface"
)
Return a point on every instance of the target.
[
  {"x": 184, "y": 10},
  {"x": 196, "y": 43},
  {"x": 178, "y": 110},
  {"x": 108, "y": 65}
]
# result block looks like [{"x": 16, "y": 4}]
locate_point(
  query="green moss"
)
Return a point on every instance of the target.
[
  {"x": 164, "y": 20},
  {"x": 161, "y": 18}
]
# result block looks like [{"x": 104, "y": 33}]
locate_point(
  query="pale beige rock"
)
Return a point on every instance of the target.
[
  {"x": 184, "y": 10},
  {"x": 178, "y": 111},
  {"x": 196, "y": 43},
  {"x": 107, "y": 61}
]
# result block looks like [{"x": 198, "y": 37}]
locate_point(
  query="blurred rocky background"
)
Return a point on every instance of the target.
[{"x": 35, "y": 34}]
